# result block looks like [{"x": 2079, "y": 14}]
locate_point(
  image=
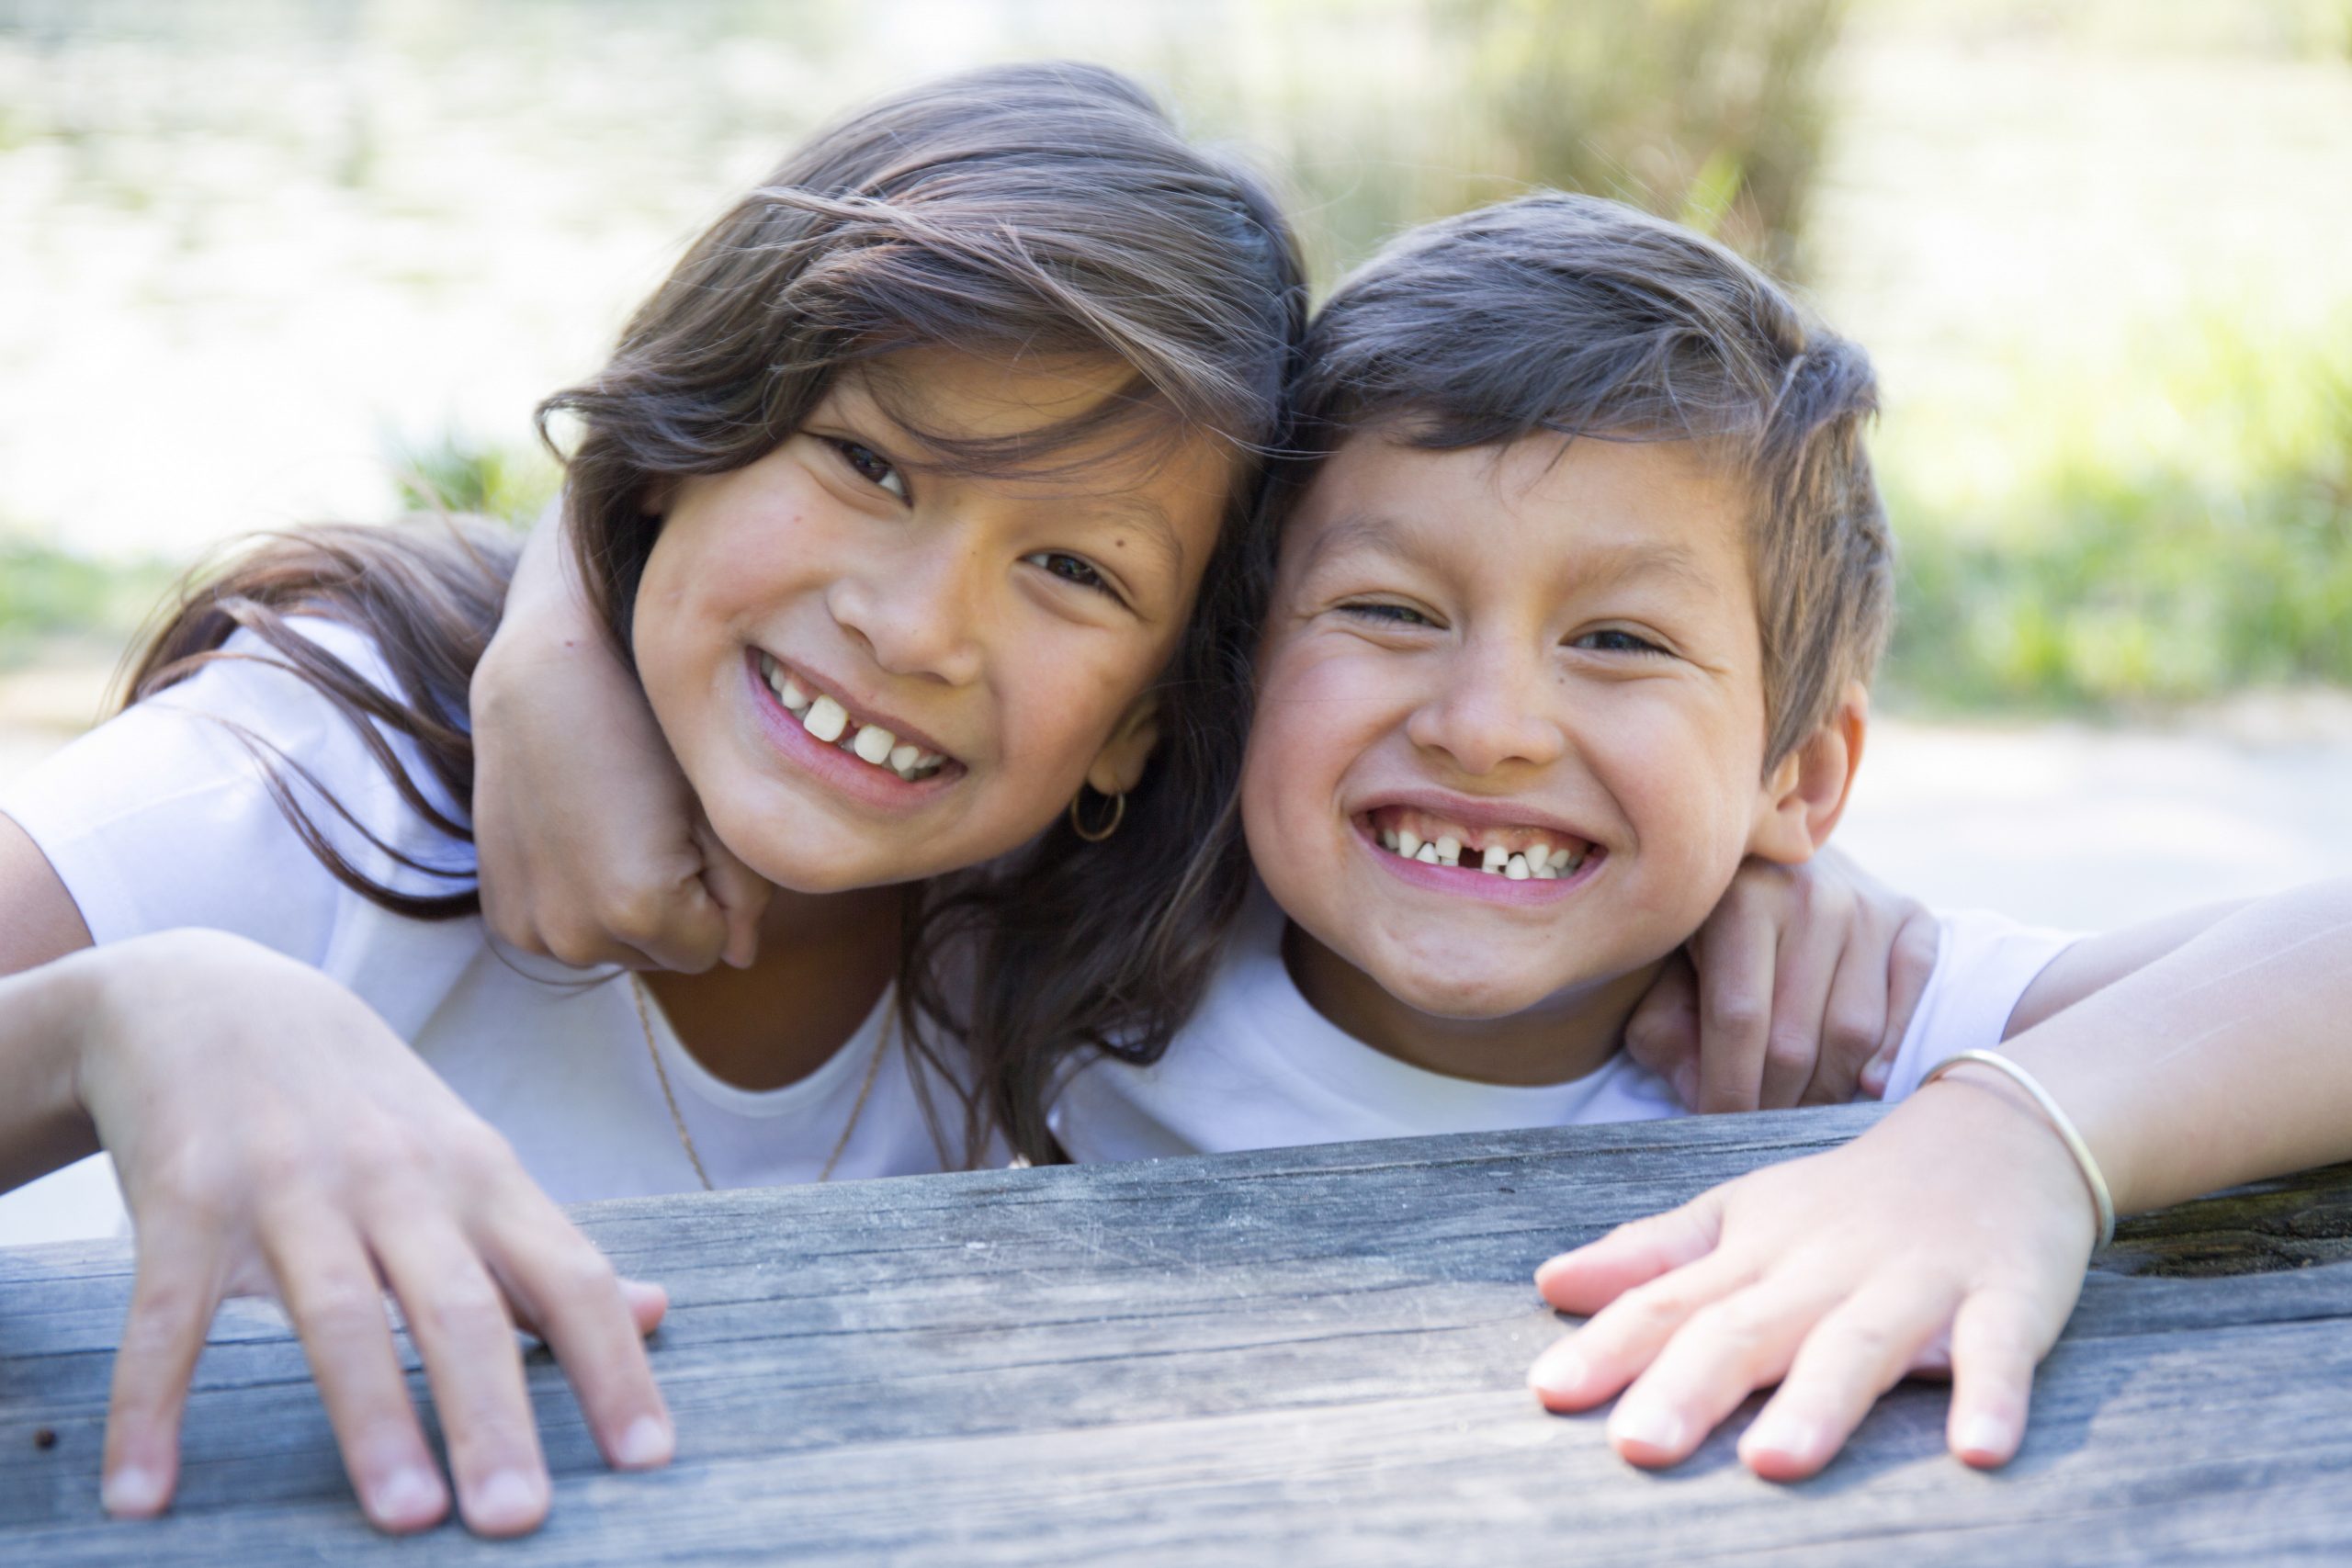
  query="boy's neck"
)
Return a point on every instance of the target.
[
  {"x": 824, "y": 959},
  {"x": 1566, "y": 1037}
]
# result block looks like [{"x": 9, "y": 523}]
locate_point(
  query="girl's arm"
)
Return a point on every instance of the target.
[
  {"x": 567, "y": 753},
  {"x": 1797, "y": 990},
  {"x": 1957, "y": 1230},
  {"x": 272, "y": 1135}
]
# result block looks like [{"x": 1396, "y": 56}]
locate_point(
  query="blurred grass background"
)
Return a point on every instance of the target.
[{"x": 274, "y": 259}]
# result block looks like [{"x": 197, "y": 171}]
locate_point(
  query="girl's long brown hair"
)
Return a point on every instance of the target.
[{"x": 1020, "y": 211}]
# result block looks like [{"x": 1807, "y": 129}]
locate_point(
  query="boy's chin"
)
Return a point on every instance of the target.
[{"x": 1459, "y": 998}]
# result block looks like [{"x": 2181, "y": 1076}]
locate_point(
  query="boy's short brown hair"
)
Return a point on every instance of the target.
[{"x": 1583, "y": 317}]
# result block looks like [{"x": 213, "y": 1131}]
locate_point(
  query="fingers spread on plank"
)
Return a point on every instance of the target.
[
  {"x": 1585, "y": 1281},
  {"x": 1721, "y": 1353},
  {"x": 1997, "y": 1338},
  {"x": 174, "y": 1294},
  {"x": 595, "y": 1323},
  {"x": 457, "y": 1318},
  {"x": 1859, "y": 1351},
  {"x": 331, "y": 1292},
  {"x": 1625, "y": 1337}
]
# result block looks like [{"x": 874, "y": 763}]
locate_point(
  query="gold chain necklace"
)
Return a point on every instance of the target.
[{"x": 686, "y": 1139}]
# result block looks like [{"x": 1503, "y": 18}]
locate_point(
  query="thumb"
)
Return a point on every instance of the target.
[{"x": 739, "y": 894}]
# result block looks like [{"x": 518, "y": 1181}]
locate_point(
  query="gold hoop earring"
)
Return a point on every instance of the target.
[{"x": 1118, "y": 815}]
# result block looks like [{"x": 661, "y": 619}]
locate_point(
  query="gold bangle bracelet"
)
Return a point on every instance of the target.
[{"x": 2100, "y": 1198}]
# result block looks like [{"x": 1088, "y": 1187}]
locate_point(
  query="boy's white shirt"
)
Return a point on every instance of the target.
[
  {"x": 1258, "y": 1067},
  {"x": 160, "y": 818}
]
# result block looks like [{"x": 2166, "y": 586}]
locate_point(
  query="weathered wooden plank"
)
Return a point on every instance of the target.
[
  {"x": 1047, "y": 1335},
  {"x": 1477, "y": 1476}
]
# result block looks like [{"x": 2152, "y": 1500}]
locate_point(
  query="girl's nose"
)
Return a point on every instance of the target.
[
  {"x": 916, "y": 611},
  {"x": 1492, "y": 709}
]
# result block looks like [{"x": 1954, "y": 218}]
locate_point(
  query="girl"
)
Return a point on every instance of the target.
[{"x": 905, "y": 497}]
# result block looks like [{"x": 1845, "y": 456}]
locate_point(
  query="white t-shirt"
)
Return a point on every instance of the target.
[
  {"x": 1258, "y": 1067},
  {"x": 160, "y": 819}
]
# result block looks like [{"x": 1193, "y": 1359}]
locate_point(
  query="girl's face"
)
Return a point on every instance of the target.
[{"x": 872, "y": 669}]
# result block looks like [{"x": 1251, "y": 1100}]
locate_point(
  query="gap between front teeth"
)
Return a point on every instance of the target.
[
  {"x": 1539, "y": 862},
  {"x": 829, "y": 722}
]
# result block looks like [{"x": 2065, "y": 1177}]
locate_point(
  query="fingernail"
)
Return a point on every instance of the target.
[
  {"x": 1788, "y": 1436},
  {"x": 407, "y": 1499},
  {"x": 132, "y": 1493},
  {"x": 1557, "y": 1372},
  {"x": 508, "y": 1500},
  {"x": 1983, "y": 1435},
  {"x": 648, "y": 1442},
  {"x": 1647, "y": 1429}
]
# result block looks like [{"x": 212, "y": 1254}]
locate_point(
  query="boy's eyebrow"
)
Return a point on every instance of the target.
[{"x": 1603, "y": 563}]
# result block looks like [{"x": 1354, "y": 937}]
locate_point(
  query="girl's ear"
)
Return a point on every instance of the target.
[
  {"x": 1806, "y": 793},
  {"x": 1118, "y": 767}
]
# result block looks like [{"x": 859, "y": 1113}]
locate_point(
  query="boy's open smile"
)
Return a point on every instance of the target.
[
  {"x": 1508, "y": 741},
  {"x": 1453, "y": 844}
]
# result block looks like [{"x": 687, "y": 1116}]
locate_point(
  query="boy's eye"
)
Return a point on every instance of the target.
[
  {"x": 1615, "y": 639},
  {"x": 872, "y": 467},
  {"x": 1070, "y": 569},
  {"x": 1386, "y": 614}
]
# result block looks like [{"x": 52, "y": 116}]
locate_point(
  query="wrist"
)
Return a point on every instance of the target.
[{"x": 2031, "y": 1127}]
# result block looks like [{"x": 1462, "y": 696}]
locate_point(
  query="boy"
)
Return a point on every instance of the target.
[{"x": 1581, "y": 583}]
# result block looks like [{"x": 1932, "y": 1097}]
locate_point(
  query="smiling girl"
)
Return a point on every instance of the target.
[{"x": 899, "y": 498}]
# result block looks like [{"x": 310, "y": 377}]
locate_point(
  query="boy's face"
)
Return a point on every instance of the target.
[{"x": 1547, "y": 651}]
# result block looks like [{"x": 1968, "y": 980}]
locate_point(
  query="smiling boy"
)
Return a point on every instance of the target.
[{"x": 1581, "y": 582}]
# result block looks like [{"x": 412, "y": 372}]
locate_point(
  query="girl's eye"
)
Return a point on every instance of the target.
[
  {"x": 872, "y": 467},
  {"x": 1614, "y": 639},
  {"x": 1070, "y": 569},
  {"x": 1386, "y": 614}
]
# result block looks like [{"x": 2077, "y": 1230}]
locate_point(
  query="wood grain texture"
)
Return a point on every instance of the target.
[{"x": 1301, "y": 1356}]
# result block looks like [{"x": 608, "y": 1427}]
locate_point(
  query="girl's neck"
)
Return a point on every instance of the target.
[
  {"x": 824, "y": 960},
  {"x": 1564, "y": 1038}
]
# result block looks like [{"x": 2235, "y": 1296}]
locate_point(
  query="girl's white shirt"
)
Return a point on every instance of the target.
[
  {"x": 1258, "y": 1067},
  {"x": 160, "y": 818}
]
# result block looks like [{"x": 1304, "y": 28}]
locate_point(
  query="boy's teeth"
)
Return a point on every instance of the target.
[
  {"x": 788, "y": 692},
  {"x": 902, "y": 758},
  {"x": 873, "y": 744},
  {"x": 826, "y": 719}
]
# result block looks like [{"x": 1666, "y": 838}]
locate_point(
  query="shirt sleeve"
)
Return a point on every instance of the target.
[
  {"x": 163, "y": 817},
  {"x": 1984, "y": 964}
]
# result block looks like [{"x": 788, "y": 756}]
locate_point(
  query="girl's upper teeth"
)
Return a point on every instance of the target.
[{"x": 826, "y": 719}]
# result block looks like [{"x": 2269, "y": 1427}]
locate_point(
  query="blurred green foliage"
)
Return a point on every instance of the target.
[
  {"x": 2196, "y": 542},
  {"x": 47, "y": 593},
  {"x": 454, "y": 473}
]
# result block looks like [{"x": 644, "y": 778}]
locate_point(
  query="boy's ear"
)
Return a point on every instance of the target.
[
  {"x": 1806, "y": 791},
  {"x": 1118, "y": 767}
]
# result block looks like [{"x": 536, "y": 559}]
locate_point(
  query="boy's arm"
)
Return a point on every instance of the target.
[
  {"x": 567, "y": 757},
  {"x": 1960, "y": 1221}
]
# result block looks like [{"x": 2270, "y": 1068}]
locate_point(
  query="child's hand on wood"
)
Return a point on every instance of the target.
[
  {"x": 566, "y": 754},
  {"x": 1797, "y": 990},
  {"x": 275, "y": 1138},
  {"x": 1953, "y": 1237}
]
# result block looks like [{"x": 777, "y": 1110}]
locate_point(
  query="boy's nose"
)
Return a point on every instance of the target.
[
  {"x": 1489, "y": 713},
  {"x": 916, "y": 612}
]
